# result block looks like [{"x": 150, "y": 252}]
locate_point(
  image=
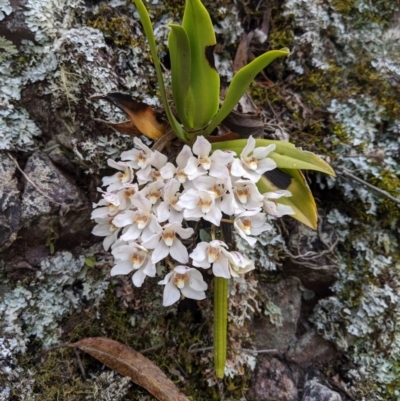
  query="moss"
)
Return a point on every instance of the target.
[
  {"x": 115, "y": 27},
  {"x": 344, "y": 6},
  {"x": 57, "y": 373}
]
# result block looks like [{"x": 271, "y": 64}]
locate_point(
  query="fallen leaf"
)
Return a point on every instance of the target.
[
  {"x": 242, "y": 53},
  {"x": 230, "y": 136},
  {"x": 131, "y": 363},
  {"x": 142, "y": 118},
  {"x": 244, "y": 124}
]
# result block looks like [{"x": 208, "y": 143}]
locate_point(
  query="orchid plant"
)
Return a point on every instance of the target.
[{"x": 147, "y": 205}]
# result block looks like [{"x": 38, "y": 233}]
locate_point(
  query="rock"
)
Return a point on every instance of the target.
[
  {"x": 315, "y": 391},
  {"x": 52, "y": 206},
  {"x": 272, "y": 380},
  {"x": 10, "y": 204},
  {"x": 286, "y": 295},
  {"x": 311, "y": 348},
  {"x": 13, "y": 26},
  {"x": 314, "y": 258}
]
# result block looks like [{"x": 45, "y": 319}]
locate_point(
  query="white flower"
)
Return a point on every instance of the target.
[
  {"x": 105, "y": 228},
  {"x": 272, "y": 207},
  {"x": 159, "y": 169},
  {"x": 185, "y": 280},
  {"x": 109, "y": 206},
  {"x": 133, "y": 257},
  {"x": 247, "y": 195},
  {"x": 253, "y": 161},
  {"x": 222, "y": 190},
  {"x": 124, "y": 176},
  {"x": 238, "y": 264},
  {"x": 214, "y": 253},
  {"x": 125, "y": 194},
  {"x": 139, "y": 159},
  {"x": 166, "y": 243},
  {"x": 203, "y": 163},
  {"x": 168, "y": 209},
  {"x": 200, "y": 204},
  {"x": 153, "y": 191},
  {"x": 140, "y": 223},
  {"x": 181, "y": 161},
  {"x": 251, "y": 222}
]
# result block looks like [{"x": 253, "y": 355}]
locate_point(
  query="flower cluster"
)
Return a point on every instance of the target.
[{"x": 147, "y": 202}]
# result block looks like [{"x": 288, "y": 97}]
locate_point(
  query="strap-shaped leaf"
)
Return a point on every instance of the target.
[
  {"x": 148, "y": 29},
  {"x": 240, "y": 82},
  {"x": 179, "y": 52},
  {"x": 301, "y": 201},
  {"x": 204, "y": 79},
  {"x": 286, "y": 155}
]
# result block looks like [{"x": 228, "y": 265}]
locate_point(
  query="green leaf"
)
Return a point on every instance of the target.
[
  {"x": 240, "y": 82},
  {"x": 148, "y": 29},
  {"x": 301, "y": 201},
  {"x": 179, "y": 51},
  {"x": 286, "y": 155},
  {"x": 204, "y": 78},
  {"x": 90, "y": 261}
]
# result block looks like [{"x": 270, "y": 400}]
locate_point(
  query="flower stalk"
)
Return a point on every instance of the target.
[{"x": 220, "y": 324}]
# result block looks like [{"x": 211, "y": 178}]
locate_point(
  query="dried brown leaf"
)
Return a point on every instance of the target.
[
  {"x": 142, "y": 118},
  {"x": 131, "y": 363}
]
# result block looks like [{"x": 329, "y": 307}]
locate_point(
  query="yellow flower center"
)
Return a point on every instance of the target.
[{"x": 180, "y": 279}]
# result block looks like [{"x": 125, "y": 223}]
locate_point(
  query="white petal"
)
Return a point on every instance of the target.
[
  {"x": 191, "y": 166},
  {"x": 163, "y": 212},
  {"x": 139, "y": 201},
  {"x": 160, "y": 252},
  {"x": 124, "y": 219},
  {"x": 199, "y": 255},
  {"x": 167, "y": 171},
  {"x": 132, "y": 233},
  {"x": 193, "y": 294},
  {"x": 152, "y": 242},
  {"x": 150, "y": 268},
  {"x": 221, "y": 158},
  {"x": 138, "y": 278},
  {"x": 183, "y": 157},
  {"x": 109, "y": 240},
  {"x": 221, "y": 267},
  {"x": 251, "y": 143},
  {"x": 158, "y": 160},
  {"x": 263, "y": 151},
  {"x": 196, "y": 281},
  {"x": 201, "y": 147},
  {"x": 265, "y": 165},
  {"x": 237, "y": 169},
  {"x": 184, "y": 233},
  {"x": 179, "y": 252},
  {"x": 171, "y": 294},
  {"x": 124, "y": 267},
  {"x": 214, "y": 216}
]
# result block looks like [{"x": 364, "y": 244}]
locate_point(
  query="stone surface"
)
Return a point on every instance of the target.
[
  {"x": 52, "y": 206},
  {"x": 311, "y": 348},
  {"x": 10, "y": 204},
  {"x": 286, "y": 295},
  {"x": 272, "y": 381},
  {"x": 314, "y": 391},
  {"x": 313, "y": 256}
]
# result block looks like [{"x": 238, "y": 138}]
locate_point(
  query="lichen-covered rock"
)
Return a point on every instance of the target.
[
  {"x": 272, "y": 380},
  {"x": 9, "y": 202},
  {"x": 51, "y": 204},
  {"x": 278, "y": 327},
  {"x": 314, "y": 391},
  {"x": 311, "y": 348}
]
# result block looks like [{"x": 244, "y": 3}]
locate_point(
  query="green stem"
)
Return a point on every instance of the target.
[{"x": 220, "y": 324}]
